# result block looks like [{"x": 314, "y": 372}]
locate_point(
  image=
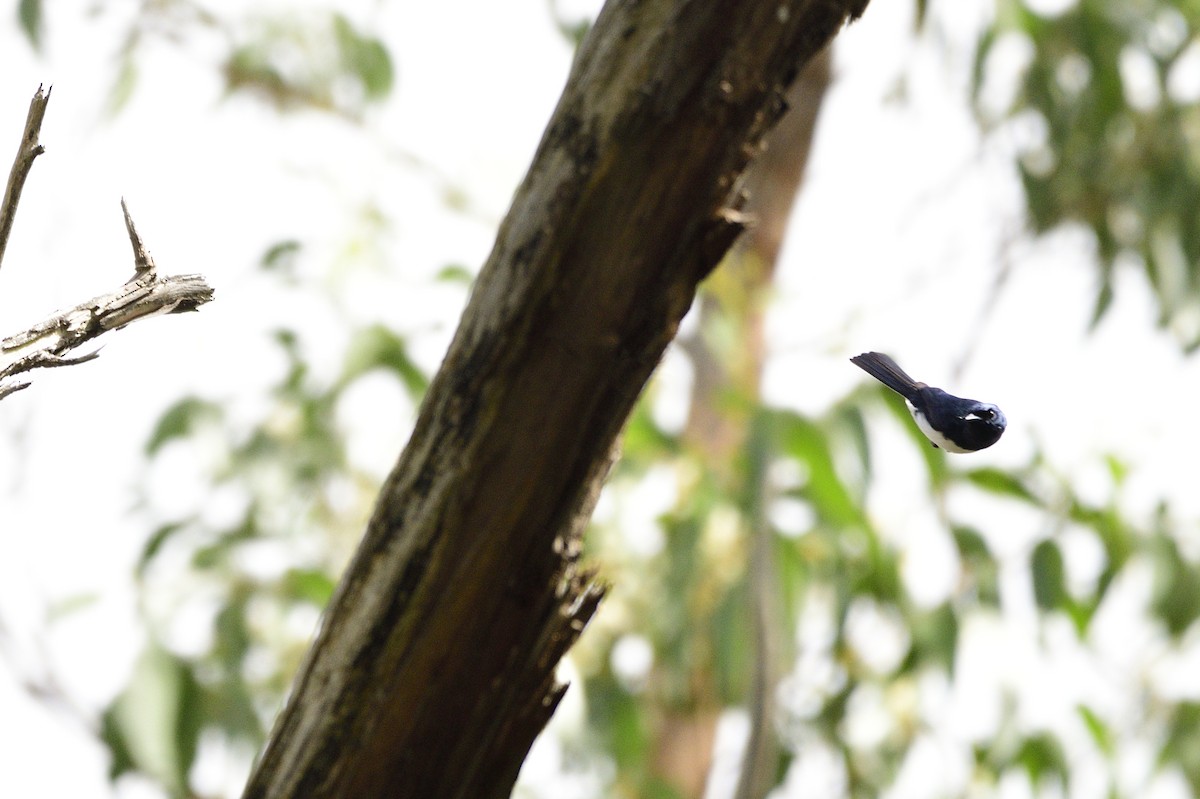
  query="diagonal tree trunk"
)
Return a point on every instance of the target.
[{"x": 433, "y": 670}]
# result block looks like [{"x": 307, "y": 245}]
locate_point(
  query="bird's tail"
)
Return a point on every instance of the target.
[{"x": 888, "y": 372}]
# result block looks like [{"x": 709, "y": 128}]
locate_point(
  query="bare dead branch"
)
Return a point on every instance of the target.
[
  {"x": 45, "y": 344},
  {"x": 12, "y": 388},
  {"x": 30, "y": 149}
]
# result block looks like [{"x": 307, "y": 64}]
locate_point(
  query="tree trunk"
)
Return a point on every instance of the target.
[{"x": 434, "y": 668}]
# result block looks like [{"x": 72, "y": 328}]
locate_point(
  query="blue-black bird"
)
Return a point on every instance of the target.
[{"x": 953, "y": 423}]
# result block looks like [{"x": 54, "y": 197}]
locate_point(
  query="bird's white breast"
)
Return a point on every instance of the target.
[{"x": 930, "y": 433}]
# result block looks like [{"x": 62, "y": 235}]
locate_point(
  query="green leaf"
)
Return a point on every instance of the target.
[
  {"x": 123, "y": 86},
  {"x": 70, "y": 605},
  {"x": 218, "y": 553},
  {"x": 1049, "y": 588},
  {"x": 644, "y": 441},
  {"x": 281, "y": 256},
  {"x": 621, "y": 719},
  {"x": 849, "y": 418},
  {"x": 982, "y": 49},
  {"x": 572, "y": 27},
  {"x": 365, "y": 57},
  {"x": 154, "y": 724},
  {"x": 1176, "y": 587},
  {"x": 232, "y": 635},
  {"x": 979, "y": 566},
  {"x": 1080, "y": 614},
  {"x": 997, "y": 481},
  {"x": 1116, "y": 536},
  {"x": 934, "y": 638},
  {"x": 803, "y": 440},
  {"x": 1042, "y": 756},
  {"x": 154, "y": 545},
  {"x": 1101, "y": 734},
  {"x": 1104, "y": 300},
  {"x": 455, "y": 273},
  {"x": 377, "y": 347},
  {"x": 180, "y": 421},
  {"x": 308, "y": 585},
  {"x": 1180, "y": 747},
  {"x": 230, "y": 706},
  {"x": 29, "y": 14},
  {"x": 1117, "y": 469},
  {"x": 970, "y": 543},
  {"x": 248, "y": 67}
]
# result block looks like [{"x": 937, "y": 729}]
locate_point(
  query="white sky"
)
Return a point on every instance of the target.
[{"x": 894, "y": 248}]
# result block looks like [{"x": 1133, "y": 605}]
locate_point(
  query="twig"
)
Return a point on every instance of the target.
[
  {"x": 46, "y": 344},
  {"x": 143, "y": 264},
  {"x": 30, "y": 149},
  {"x": 145, "y": 294}
]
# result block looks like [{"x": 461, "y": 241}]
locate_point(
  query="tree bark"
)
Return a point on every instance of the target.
[{"x": 434, "y": 668}]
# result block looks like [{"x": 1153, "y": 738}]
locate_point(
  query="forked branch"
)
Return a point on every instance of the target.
[{"x": 145, "y": 294}]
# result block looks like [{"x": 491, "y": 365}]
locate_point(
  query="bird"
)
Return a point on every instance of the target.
[{"x": 952, "y": 423}]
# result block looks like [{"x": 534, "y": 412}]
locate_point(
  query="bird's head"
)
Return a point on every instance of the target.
[{"x": 983, "y": 424}]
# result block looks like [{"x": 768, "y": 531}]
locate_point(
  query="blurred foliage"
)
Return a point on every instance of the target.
[
  {"x": 29, "y": 16},
  {"x": 154, "y": 726},
  {"x": 837, "y": 568},
  {"x": 572, "y": 27},
  {"x": 1107, "y": 98},
  {"x": 297, "y": 500},
  {"x": 1104, "y": 87},
  {"x": 313, "y": 59},
  {"x": 322, "y": 62}
]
